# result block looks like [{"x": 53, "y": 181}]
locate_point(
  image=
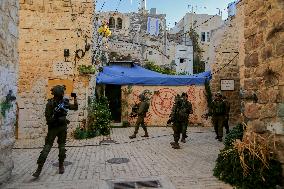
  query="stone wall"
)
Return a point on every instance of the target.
[
  {"x": 224, "y": 57},
  {"x": 264, "y": 66},
  {"x": 8, "y": 78},
  {"x": 161, "y": 102},
  {"x": 46, "y": 29},
  {"x": 264, "y": 50}
]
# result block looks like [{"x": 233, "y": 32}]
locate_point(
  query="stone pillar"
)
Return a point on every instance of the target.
[{"x": 8, "y": 78}]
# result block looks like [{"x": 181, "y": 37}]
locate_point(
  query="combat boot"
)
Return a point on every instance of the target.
[
  {"x": 61, "y": 167},
  {"x": 183, "y": 140},
  {"x": 132, "y": 136},
  {"x": 176, "y": 145},
  {"x": 38, "y": 171},
  {"x": 146, "y": 134}
]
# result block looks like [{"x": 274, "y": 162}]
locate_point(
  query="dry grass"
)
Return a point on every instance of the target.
[{"x": 259, "y": 146}]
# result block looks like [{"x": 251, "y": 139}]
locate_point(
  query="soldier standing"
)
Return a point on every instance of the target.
[
  {"x": 218, "y": 108},
  {"x": 55, "y": 114},
  {"x": 142, "y": 110},
  {"x": 186, "y": 109},
  {"x": 227, "y": 113}
]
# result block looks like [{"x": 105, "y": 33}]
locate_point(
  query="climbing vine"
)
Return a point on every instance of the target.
[
  {"x": 198, "y": 64},
  {"x": 208, "y": 94}
]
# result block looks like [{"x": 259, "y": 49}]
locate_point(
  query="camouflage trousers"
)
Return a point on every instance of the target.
[
  {"x": 61, "y": 133},
  {"x": 140, "y": 122},
  {"x": 218, "y": 123},
  {"x": 184, "y": 130},
  {"x": 226, "y": 123},
  {"x": 179, "y": 128}
]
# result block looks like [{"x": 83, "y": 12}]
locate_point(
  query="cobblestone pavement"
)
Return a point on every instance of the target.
[{"x": 150, "y": 159}]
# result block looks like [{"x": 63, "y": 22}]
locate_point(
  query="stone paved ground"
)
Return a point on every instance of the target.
[{"x": 152, "y": 158}]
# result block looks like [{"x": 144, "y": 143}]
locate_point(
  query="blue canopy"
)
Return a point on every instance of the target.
[{"x": 136, "y": 75}]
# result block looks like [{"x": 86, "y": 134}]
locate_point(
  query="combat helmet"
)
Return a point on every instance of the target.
[{"x": 58, "y": 90}]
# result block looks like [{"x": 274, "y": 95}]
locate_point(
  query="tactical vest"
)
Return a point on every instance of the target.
[
  {"x": 184, "y": 110},
  {"x": 218, "y": 108}
]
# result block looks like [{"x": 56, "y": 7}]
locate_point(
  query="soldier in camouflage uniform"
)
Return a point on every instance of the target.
[
  {"x": 179, "y": 117},
  {"x": 218, "y": 112},
  {"x": 177, "y": 126},
  {"x": 227, "y": 112},
  {"x": 187, "y": 109},
  {"x": 55, "y": 114},
  {"x": 141, "y": 112}
]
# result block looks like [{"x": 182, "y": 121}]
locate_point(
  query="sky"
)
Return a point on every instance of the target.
[{"x": 174, "y": 9}]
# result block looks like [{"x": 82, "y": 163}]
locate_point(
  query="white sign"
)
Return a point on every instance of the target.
[
  {"x": 227, "y": 84},
  {"x": 136, "y": 27},
  {"x": 63, "y": 68}
]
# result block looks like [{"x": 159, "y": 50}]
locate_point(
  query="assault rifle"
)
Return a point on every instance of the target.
[
  {"x": 61, "y": 109},
  {"x": 134, "y": 111}
]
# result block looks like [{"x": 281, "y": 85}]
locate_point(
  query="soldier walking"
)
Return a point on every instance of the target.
[
  {"x": 227, "y": 114},
  {"x": 143, "y": 107},
  {"x": 179, "y": 118},
  {"x": 186, "y": 107},
  {"x": 218, "y": 112},
  {"x": 55, "y": 114}
]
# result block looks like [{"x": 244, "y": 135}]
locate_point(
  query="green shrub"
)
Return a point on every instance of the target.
[
  {"x": 80, "y": 133},
  {"x": 236, "y": 133},
  {"x": 99, "y": 116},
  {"x": 86, "y": 69},
  {"x": 228, "y": 169},
  {"x": 152, "y": 66},
  {"x": 249, "y": 162}
]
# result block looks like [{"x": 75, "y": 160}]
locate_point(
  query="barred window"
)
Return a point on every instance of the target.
[
  {"x": 111, "y": 22},
  {"x": 119, "y": 23}
]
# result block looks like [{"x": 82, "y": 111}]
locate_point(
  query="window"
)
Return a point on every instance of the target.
[
  {"x": 203, "y": 36},
  {"x": 119, "y": 23},
  {"x": 182, "y": 60},
  {"x": 111, "y": 22},
  {"x": 208, "y": 36}
]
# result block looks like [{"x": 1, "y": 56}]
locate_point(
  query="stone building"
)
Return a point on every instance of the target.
[
  {"x": 184, "y": 59},
  {"x": 55, "y": 38},
  {"x": 142, "y": 35},
  {"x": 226, "y": 52},
  {"x": 204, "y": 25},
  {"x": 263, "y": 67},
  {"x": 8, "y": 85}
]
